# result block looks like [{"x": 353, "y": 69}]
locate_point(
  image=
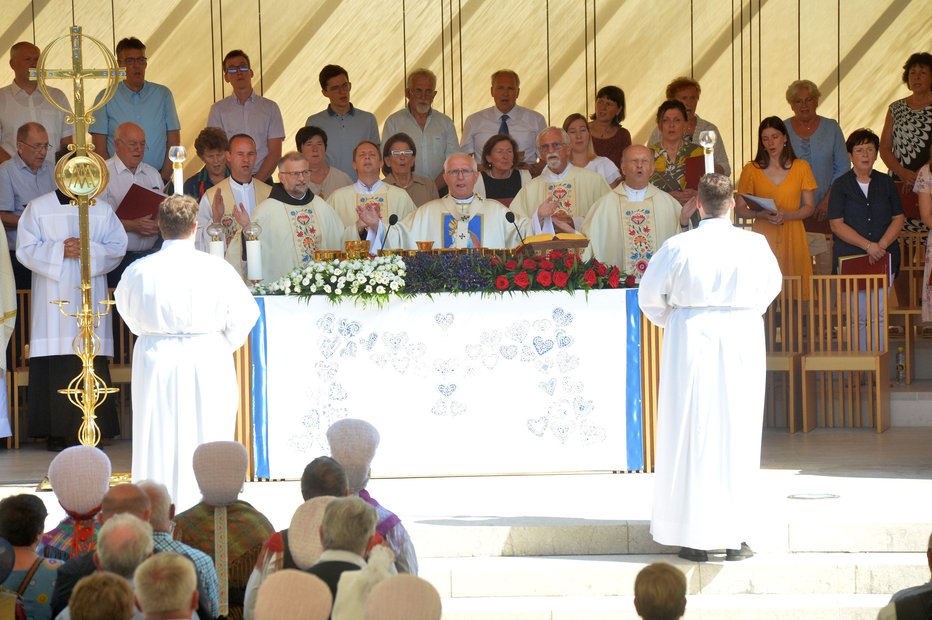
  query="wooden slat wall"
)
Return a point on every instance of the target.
[{"x": 744, "y": 52}]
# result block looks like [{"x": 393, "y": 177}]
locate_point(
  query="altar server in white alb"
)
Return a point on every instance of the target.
[
  {"x": 191, "y": 311},
  {"x": 460, "y": 220},
  {"x": 48, "y": 243},
  {"x": 708, "y": 288},
  {"x": 295, "y": 223}
]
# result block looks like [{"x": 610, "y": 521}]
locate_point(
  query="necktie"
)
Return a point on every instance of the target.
[{"x": 503, "y": 128}]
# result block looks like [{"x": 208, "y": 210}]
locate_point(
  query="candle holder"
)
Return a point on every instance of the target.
[
  {"x": 707, "y": 141},
  {"x": 218, "y": 241},
  {"x": 177, "y": 155},
  {"x": 253, "y": 253}
]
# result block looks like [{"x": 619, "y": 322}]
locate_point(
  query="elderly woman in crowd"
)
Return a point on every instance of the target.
[
  {"x": 609, "y": 138},
  {"x": 777, "y": 173},
  {"x": 686, "y": 91},
  {"x": 672, "y": 150},
  {"x": 398, "y": 155},
  {"x": 819, "y": 141},
  {"x": 22, "y": 520},
  {"x": 325, "y": 179},
  {"x": 923, "y": 187},
  {"x": 581, "y": 153},
  {"x": 907, "y": 130},
  {"x": 501, "y": 180},
  {"x": 211, "y": 146}
]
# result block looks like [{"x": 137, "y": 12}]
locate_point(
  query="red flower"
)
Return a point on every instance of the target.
[
  {"x": 630, "y": 281},
  {"x": 569, "y": 261},
  {"x": 613, "y": 279},
  {"x": 590, "y": 277},
  {"x": 501, "y": 283},
  {"x": 615, "y": 271},
  {"x": 546, "y": 264},
  {"x": 523, "y": 280},
  {"x": 529, "y": 264},
  {"x": 544, "y": 278},
  {"x": 496, "y": 261},
  {"x": 560, "y": 278},
  {"x": 555, "y": 255},
  {"x": 601, "y": 269},
  {"x": 511, "y": 265}
]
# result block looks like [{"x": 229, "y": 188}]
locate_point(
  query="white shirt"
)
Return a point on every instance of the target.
[
  {"x": 121, "y": 179},
  {"x": 244, "y": 193},
  {"x": 636, "y": 195},
  {"x": 523, "y": 125},
  {"x": 17, "y": 108}
]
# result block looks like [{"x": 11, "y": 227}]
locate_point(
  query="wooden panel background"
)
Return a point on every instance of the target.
[{"x": 744, "y": 52}]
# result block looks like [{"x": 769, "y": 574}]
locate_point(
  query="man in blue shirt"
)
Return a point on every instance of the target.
[{"x": 149, "y": 105}]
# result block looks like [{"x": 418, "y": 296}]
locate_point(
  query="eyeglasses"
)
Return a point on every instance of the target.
[
  {"x": 240, "y": 69},
  {"x": 134, "y": 60},
  {"x": 406, "y": 152},
  {"x": 460, "y": 172},
  {"x": 37, "y": 147},
  {"x": 298, "y": 173}
]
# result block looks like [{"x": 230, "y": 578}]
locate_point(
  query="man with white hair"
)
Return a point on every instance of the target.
[
  {"x": 353, "y": 444},
  {"x": 432, "y": 131},
  {"x": 461, "y": 219},
  {"x": 295, "y": 223},
  {"x": 559, "y": 199},
  {"x": 166, "y": 587},
  {"x": 347, "y": 529},
  {"x": 163, "y": 511}
]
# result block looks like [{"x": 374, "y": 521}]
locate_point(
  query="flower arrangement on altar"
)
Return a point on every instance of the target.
[{"x": 376, "y": 279}]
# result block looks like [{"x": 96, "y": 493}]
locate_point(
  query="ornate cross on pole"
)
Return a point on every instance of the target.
[{"x": 81, "y": 175}]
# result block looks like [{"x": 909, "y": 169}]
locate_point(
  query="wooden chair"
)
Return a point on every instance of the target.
[
  {"x": 908, "y": 290},
  {"x": 18, "y": 362},
  {"x": 783, "y": 327},
  {"x": 843, "y": 357}
]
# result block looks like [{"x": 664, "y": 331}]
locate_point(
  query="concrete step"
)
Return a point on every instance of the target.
[
  {"x": 703, "y": 607},
  {"x": 613, "y": 575}
]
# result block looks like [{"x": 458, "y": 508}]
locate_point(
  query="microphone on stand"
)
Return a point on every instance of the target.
[
  {"x": 510, "y": 216},
  {"x": 392, "y": 220}
]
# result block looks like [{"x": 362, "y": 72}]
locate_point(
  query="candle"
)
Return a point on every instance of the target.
[
  {"x": 253, "y": 260},
  {"x": 707, "y": 142},
  {"x": 177, "y": 155},
  {"x": 216, "y": 247}
]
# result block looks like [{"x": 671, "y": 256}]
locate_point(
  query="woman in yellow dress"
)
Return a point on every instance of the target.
[{"x": 777, "y": 174}]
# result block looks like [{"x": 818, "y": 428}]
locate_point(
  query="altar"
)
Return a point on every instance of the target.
[{"x": 463, "y": 384}]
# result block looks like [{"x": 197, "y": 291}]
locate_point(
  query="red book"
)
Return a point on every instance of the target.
[
  {"x": 695, "y": 168},
  {"x": 859, "y": 264},
  {"x": 140, "y": 202}
]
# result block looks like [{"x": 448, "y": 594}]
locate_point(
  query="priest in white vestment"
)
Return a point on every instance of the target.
[
  {"x": 48, "y": 243},
  {"x": 708, "y": 288},
  {"x": 462, "y": 219},
  {"x": 628, "y": 225},
  {"x": 191, "y": 311},
  {"x": 295, "y": 223},
  {"x": 369, "y": 193},
  {"x": 7, "y": 320},
  {"x": 560, "y": 198},
  {"x": 232, "y": 201}
]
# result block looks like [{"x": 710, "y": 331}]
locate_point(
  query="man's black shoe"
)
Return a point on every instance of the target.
[
  {"x": 693, "y": 555},
  {"x": 736, "y": 555}
]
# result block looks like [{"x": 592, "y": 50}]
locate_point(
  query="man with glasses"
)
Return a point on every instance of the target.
[
  {"x": 126, "y": 169},
  {"x": 346, "y": 125},
  {"x": 232, "y": 201},
  {"x": 295, "y": 223},
  {"x": 506, "y": 117},
  {"x": 28, "y": 174},
  {"x": 558, "y": 200},
  {"x": 369, "y": 196},
  {"x": 433, "y": 132},
  {"x": 462, "y": 219},
  {"x": 21, "y": 102},
  {"x": 147, "y": 104},
  {"x": 245, "y": 111}
]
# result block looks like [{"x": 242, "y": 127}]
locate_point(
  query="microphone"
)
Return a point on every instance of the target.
[
  {"x": 392, "y": 220},
  {"x": 510, "y": 216}
]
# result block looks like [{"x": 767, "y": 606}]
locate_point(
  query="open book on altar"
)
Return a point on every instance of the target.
[
  {"x": 859, "y": 264},
  {"x": 140, "y": 202},
  {"x": 758, "y": 203}
]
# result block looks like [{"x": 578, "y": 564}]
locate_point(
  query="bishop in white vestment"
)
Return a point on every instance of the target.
[
  {"x": 295, "y": 223},
  {"x": 191, "y": 311},
  {"x": 708, "y": 289},
  {"x": 462, "y": 219},
  {"x": 48, "y": 243}
]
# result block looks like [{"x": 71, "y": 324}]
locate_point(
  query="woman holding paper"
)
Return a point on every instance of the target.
[
  {"x": 777, "y": 174},
  {"x": 864, "y": 207}
]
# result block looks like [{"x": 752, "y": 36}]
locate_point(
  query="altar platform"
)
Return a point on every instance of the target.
[{"x": 845, "y": 516}]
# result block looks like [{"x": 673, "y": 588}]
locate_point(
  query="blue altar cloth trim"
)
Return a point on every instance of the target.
[
  {"x": 260, "y": 414},
  {"x": 633, "y": 401}
]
